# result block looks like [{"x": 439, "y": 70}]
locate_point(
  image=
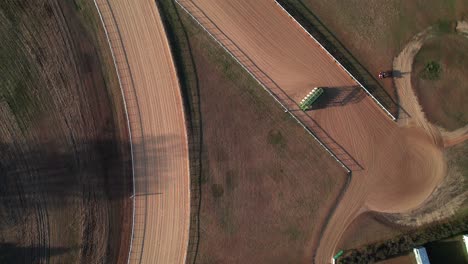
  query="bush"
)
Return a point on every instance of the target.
[
  {"x": 276, "y": 139},
  {"x": 445, "y": 26},
  {"x": 431, "y": 71},
  {"x": 217, "y": 190}
]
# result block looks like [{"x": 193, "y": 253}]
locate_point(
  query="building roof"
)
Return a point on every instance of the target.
[{"x": 421, "y": 255}]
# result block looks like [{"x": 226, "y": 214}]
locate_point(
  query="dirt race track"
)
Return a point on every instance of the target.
[
  {"x": 396, "y": 166},
  {"x": 159, "y": 136}
]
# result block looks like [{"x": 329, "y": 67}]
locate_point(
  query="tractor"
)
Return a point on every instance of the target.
[
  {"x": 385, "y": 74},
  {"x": 306, "y": 103}
]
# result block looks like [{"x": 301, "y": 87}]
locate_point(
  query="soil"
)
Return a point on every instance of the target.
[
  {"x": 444, "y": 100},
  {"x": 159, "y": 135},
  {"x": 395, "y": 167},
  {"x": 64, "y": 152}
]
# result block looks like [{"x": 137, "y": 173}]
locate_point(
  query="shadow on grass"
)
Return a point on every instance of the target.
[
  {"x": 11, "y": 253},
  {"x": 447, "y": 251},
  {"x": 33, "y": 174}
]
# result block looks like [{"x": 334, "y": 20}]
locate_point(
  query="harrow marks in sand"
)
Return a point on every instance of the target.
[
  {"x": 160, "y": 152},
  {"x": 394, "y": 168}
]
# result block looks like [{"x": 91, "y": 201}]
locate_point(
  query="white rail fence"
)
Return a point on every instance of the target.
[{"x": 130, "y": 103}]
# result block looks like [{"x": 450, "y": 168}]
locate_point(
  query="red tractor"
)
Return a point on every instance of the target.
[{"x": 385, "y": 74}]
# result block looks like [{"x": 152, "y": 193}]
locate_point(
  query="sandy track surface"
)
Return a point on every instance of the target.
[
  {"x": 395, "y": 167},
  {"x": 156, "y": 115},
  {"x": 452, "y": 138}
]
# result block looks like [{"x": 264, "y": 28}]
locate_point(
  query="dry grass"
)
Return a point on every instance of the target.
[{"x": 443, "y": 100}]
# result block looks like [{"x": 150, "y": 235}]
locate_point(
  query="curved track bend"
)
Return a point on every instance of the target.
[{"x": 159, "y": 137}]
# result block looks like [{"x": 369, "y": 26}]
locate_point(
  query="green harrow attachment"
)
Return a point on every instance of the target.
[{"x": 307, "y": 102}]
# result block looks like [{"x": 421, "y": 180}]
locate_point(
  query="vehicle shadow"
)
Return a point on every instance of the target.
[
  {"x": 339, "y": 96},
  {"x": 399, "y": 74}
]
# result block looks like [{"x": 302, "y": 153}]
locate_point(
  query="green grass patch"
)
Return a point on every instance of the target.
[
  {"x": 231, "y": 183},
  {"x": 431, "y": 71},
  {"x": 203, "y": 178},
  {"x": 217, "y": 190},
  {"x": 78, "y": 5},
  {"x": 293, "y": 233},
  {"x": 276, "y": 139},
  {"x": 445, "y": 26},
  {"x": 19, "y": 82}
]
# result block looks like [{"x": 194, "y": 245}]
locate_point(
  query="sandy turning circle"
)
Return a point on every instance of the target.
[{"x": 411, "y": 167}]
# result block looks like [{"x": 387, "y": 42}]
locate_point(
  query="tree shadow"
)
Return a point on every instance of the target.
[
  {"x": 33, "y": 174},
  {"x": 12, "y": 253}
]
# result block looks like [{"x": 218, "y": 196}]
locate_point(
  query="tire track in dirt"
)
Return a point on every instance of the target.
[
  {"x": 395, "y": 168},
  {"x": 161, "y": 153}
]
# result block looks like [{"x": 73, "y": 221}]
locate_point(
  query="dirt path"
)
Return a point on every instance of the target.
[
  {"x": 411, "y": 110},
  {"x": 452, "y": 138},
  {"x": 159, "y": 136},
  {"x": 395, "y": 168}
]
